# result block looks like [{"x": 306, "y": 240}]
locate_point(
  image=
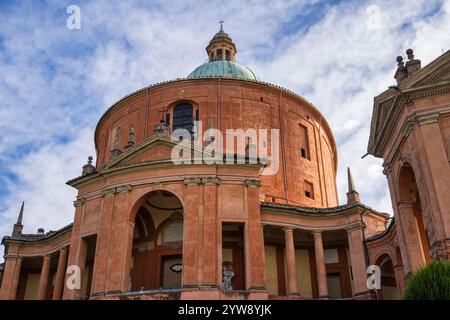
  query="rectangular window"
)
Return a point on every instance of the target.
[
  {"x": 219, "y": 54},
  {"x": 304, "y": 142},
  {"x": 303, "y": 152},
  {"x": 309, "y": 190},
  {"x": 227, "y": 55}
]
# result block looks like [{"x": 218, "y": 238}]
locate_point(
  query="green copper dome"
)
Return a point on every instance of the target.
[{"x": 223, "y": 69}]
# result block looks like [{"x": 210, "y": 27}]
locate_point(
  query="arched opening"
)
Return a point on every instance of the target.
[
  {"x": 409, "y": 193},
  {"x": 157, "y": 243},
  {"x": 389, "y": 289}
]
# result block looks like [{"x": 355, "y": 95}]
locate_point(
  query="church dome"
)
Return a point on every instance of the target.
[{"x": 223, "y": 69}]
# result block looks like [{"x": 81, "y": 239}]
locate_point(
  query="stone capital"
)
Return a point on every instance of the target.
[
  {"x": 12, "y": 257},
  {"x": 253, "y": 183},
  {"x": 355, "y": 226},
  {"x": 317, "y": 232},
  {"x": 192, "y": 181},
  {"x": 387, "y": 169},
  {"x": 287, "y": 229},
  {"x": 427, "y": 119},
  {"x": 211, "y": 181},
  {"x": 123, "y": 188},
  {"x": 405, "y": 204},
  {"x": 79, "y": 202},
  {"x": 108, "y": 192}
]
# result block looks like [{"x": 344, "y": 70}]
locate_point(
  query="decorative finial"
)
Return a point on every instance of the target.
[
  {"x": 410, "y": 54},
  {"x": 130, "y": 138},
  {"x": 221, "y": 24},
  {"x": 88, "y": 168},
  {"x": 400, "y": 61},
  {"x": 17, "y": 229}
]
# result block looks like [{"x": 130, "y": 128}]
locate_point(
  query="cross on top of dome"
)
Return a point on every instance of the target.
[{"x": 221, "y": 47}]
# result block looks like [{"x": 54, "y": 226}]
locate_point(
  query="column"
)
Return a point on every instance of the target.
[
  {"x": 357, "y": 259},
  {"x": 119, "y": 262},
  {"x": 11, "y": 275},
  {"x": 60, "y": 273},
  {"x": 43, "y": 280},
  {"x": 411, "y": 235},
  {"x": 210, "y": 257},
  {"x": 320, "y": 265},
  {"x": 104, "y": 242},
  {"x": 399, "y": 278},
  {"x": 254, "y": 241},
  {"x": 77, "y": 254},
  {"x": 191, "y": 234},
  {"x": 290, "y": 261}
]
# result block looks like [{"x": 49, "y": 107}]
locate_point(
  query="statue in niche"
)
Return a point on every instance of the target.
[{"x": 227, "y": 275}]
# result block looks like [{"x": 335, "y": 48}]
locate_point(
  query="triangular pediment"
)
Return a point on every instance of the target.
[
  {"x": 155, "y": 148},
  {"x": 435, "y": 72}
]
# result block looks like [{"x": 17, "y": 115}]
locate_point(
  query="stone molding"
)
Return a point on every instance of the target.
[
  {"x": 192, "y": 181},
  {"x": 405, "y": 204},
  {"x": 355, "y": 226},
  {"x": 253, "y": 183},
  {"x": 119, "y": 189},
  {"x": 79, "y": 202},
  {"x": 11, "y": 257},
  {"x": 211, "y": 181},
  {"x": 123, "y": 188},
  {"x": 427, "y": 119},
  {"x": 108, "y": 192}
]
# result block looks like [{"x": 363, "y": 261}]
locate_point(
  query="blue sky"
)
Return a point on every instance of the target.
[{"x": 55, "y": 83}]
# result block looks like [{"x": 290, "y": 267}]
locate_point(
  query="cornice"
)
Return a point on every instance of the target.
[{"x": 415, "y": 119}]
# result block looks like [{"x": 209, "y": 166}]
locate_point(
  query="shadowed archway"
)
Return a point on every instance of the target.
[{"x": 157, "y": 243}]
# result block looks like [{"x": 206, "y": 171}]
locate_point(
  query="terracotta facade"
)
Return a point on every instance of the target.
[{"x": 147, "y": 228}]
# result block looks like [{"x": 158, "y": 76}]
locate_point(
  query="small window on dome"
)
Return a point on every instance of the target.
[
  {"x": 227, "y": 55},
  {"x": 219, "y": 54},
  {"x": 309, "y": 189}
]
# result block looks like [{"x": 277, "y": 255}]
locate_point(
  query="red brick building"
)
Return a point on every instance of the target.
[{"x": 147, "y": 228}]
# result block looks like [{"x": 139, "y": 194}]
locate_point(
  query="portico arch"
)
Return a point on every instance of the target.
[
  {"x": 156, "y": 253},
  {"x": 389, "y": 289},
  {"x": 412, "y": 218}
]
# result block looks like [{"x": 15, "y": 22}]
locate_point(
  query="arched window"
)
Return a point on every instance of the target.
[{"x": 182, "y": 117}]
